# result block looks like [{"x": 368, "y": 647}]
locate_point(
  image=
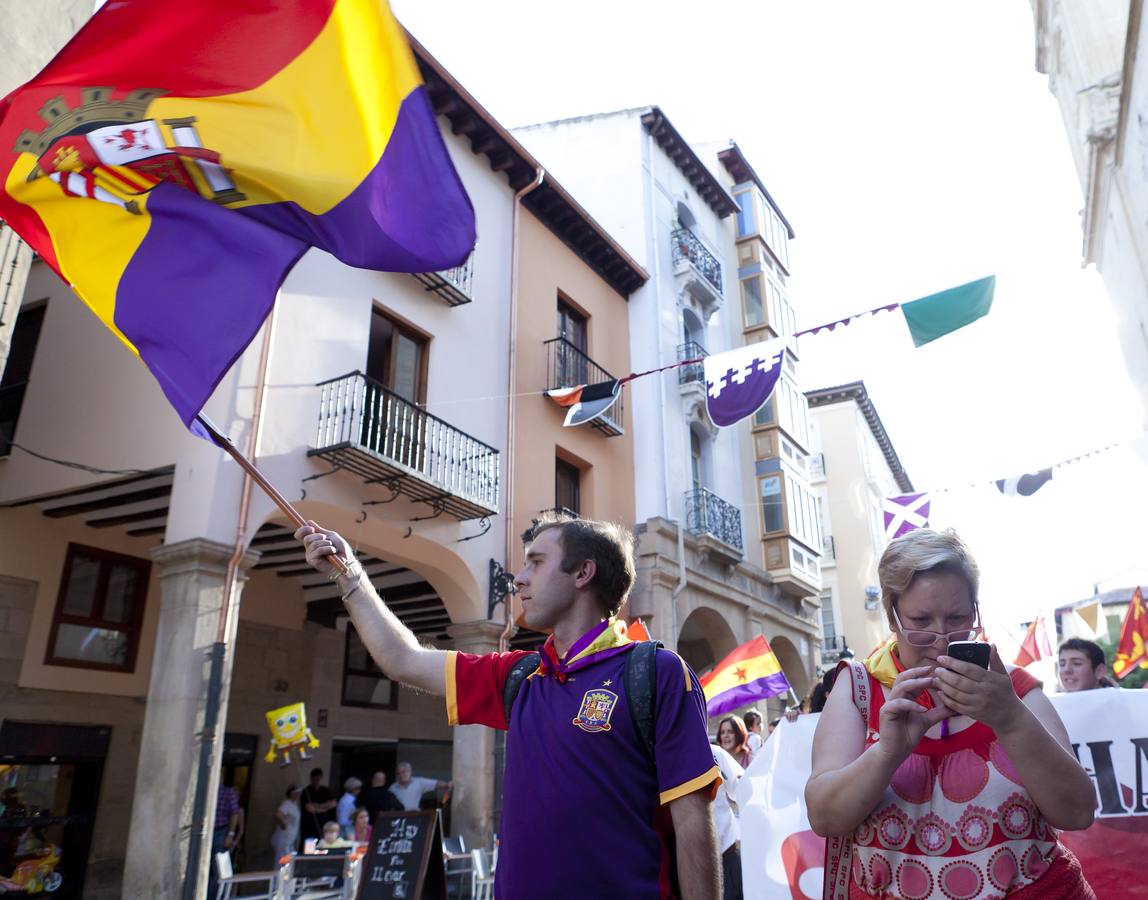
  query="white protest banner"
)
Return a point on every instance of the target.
[{"x": 782, "y": 859}]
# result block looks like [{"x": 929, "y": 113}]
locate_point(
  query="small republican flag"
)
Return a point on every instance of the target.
[
  {"x": 905, "y": 513},
  {"x": 1035, "y": 644},
  {"x": 739, "y": 381},
  {"x": 1024, "y": 485},
  {"x": 1132, "y": 650},
  {"x": 586, "y": 401}
]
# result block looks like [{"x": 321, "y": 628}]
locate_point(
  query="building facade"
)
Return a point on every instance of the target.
[
  {"x": 712, "y": 572},
  {"x": 135, "y": 555},
  {"x": 853, "y": 468},
  {"x": 1095, "y": 54}
]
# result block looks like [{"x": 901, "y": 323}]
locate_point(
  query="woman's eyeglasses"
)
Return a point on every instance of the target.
[{"x": 919, "y": 638}]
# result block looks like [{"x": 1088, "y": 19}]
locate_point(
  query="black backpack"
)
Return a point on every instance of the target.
[{"x": 640, "y": 679}]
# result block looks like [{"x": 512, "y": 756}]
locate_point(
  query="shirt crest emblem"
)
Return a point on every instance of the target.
[{"x": 594, "y": 714}]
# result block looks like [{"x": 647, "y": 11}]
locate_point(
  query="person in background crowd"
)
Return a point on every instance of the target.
[
  {"x": 409, "y": 788},
  {"x": 316, "y": 803},
  {"x": 377, "y": 798},
  {"x": 360, "y": 830},
  {"x": 1082, "y": 666},
  {"x": 929, "y": 770},
  {"x": 773, "y": 723},
  {"x": 332, "y": 837},
  {"x": 286, "y": 833},
  {"x": 224, "y": 831},
  {"x": 345, "y": 808},
  {"x": 733, "y": 737},
  {"x": 752, "y": 720},
  {"x": 728, "y": 825}
]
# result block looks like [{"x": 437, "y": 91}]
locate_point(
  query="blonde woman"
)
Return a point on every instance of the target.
[{"x": 936, "y": 778}]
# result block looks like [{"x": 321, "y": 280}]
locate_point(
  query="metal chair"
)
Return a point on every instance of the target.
[
  {"x": 481, "y": 877},
  {"x": 457, "y": 863},
  {"x": 228, "y": 879},
  {"x": 316, "y": 877}
]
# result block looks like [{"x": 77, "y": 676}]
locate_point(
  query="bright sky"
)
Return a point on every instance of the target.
[{"x": 914, "y": 147}]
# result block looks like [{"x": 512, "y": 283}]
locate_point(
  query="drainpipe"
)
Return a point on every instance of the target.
[
  {"x": 228, "y": 613},
  {"x": 511, "y": 400}
]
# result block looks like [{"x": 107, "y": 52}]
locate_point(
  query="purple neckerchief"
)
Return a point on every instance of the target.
[{"x": 604, "y": 640}]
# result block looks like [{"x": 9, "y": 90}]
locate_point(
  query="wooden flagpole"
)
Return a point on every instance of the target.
[{"x": 260, "y": 479}]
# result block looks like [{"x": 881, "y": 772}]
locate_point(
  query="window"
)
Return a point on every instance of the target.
[
  {"x": 567, "y": 486},
  {"x": 25, "y": 335},
  {"x": 772, "y": 512},
  {"x": 765, "y": 415},
  {"x": 99, "y": 610},
  {"x": 828, "y": 622},
  {"x": 696, "y": 460},
  {"x": 751, "y": 305},
  {"x": 572, "y": 363},
  {"x": 364, "y": 683},
  {"x": 745, "y": 224},
  {"x": 397, "y": 357}
]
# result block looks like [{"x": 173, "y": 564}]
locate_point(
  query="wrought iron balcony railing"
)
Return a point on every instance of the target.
[
  {"x": 373, "y": 432},
  {"x": 707, "y": 513},
  {"x": 688, "y": 247},
  {"x": 836, "y": 645},
  {"x": 694, "y": 371},
  {"x": 453, "y": 285},
  {"x": 567, "y": 366}
]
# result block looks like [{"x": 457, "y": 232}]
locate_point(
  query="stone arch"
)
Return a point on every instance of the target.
[
  {"x": 447, "y": 572},
  {"x": 791, "y": 664},
  {"x": 704, "y": 639}
]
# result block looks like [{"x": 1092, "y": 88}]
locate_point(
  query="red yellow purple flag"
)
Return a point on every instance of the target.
[
  {"x": 749, "y": 673},
  {"x": 1132, "y": 650},
  {"x": 175, "y": 160}
]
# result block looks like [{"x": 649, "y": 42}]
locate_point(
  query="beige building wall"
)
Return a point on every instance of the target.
[{"x": 549, "y": 269}]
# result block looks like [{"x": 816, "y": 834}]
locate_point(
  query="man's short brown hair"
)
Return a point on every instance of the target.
[{"x": 607, "y": 544}]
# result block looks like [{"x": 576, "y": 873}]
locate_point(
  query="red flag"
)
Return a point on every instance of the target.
[
  {"x": 637, "y": 631},
  {"x": 1035, "y": 644},
  {"x": 1133, "y": 647}
]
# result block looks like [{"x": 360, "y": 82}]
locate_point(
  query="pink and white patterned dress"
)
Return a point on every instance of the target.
[{"x": 956, "y": 823}]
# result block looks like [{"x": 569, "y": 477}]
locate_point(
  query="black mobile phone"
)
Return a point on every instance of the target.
[{"x": 977, "y": 652}]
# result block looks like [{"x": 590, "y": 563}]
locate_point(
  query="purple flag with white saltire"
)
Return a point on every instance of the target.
[
  {"x": 739, "y": 381},
  {"x": 905, "y": 513}
]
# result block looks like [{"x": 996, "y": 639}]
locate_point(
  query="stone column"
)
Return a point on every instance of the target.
[
  {"x": 472, "y": 799},
  {"x": 191, "y": 576}
]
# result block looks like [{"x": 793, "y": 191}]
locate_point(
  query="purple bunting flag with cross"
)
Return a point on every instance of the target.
[
  {"x": 905, "y": 513},
  {"x": 739, "y": 381}
]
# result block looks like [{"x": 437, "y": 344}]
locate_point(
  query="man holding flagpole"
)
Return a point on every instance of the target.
[{"x": 597, "y": 789}]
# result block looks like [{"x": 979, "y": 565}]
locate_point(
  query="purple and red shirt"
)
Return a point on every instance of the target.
[{"x": 584, "y": 813}]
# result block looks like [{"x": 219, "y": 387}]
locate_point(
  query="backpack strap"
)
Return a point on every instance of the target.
[
  {"x": 640, "y": 679},
  {"x": 519, "y": 672}
]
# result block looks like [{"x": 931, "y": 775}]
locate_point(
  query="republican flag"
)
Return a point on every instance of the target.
[
  {"x": 586, "y": 402},
  {"x": 1024, "y": 485},
  {"x": 739, "y": 381},
  {"x": 749, "y": 673},
  {"x": 175, "y": 160},
  {"x": 1132, "y": 650},
  {"x": 905, "y": 513},
  {"x": 1035, "y": 644}
]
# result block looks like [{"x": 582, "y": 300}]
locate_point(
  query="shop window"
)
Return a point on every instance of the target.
[
  {"x": 364, "y": 683},
  {"x": 99, "y": 610}
]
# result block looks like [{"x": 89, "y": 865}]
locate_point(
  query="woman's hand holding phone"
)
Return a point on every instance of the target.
[{"x": 986, "y": 695}]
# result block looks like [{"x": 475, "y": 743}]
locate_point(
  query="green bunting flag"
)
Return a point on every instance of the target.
[{"x": 938, "y": 314}]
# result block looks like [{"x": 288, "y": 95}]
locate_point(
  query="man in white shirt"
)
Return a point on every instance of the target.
[
  {"x": 410, "y": 789},
  {"x": 727, "y": 824},
  {"x": 345, "y": 810}
]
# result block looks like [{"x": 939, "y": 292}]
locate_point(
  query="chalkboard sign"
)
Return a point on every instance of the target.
[{"x": 404, "y": 861}]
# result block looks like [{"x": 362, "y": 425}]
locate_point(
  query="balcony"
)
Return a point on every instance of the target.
[
  {"x": 376, "y": 434},
  {"x": 453, "y": 285},
  {"x": 567, "y": 366},
  {"x": 694, "y": 373},
  {"x": 792, "y": 566},
  {"x": 834, "y": 648},
  {"x": 710, "y": 518},
  {"x": 696, "y": 269}
]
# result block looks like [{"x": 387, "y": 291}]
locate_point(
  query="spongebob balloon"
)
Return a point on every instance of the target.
[{"x": 289, "y": 732}]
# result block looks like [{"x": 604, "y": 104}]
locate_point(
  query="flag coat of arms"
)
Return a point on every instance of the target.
[
  {"x": 739, "y": 381},
  {"x": 749, "y": 673},
  {"x": 176, "y": 159}
]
